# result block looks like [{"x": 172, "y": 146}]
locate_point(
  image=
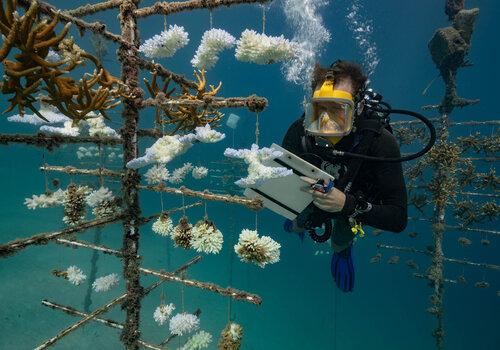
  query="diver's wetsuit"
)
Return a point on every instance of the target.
[{"x": 381, "y": 183}]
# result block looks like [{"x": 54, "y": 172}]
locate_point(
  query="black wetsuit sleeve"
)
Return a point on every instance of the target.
[
  {"x": 293, "y": 137},
  {"x": 389, "y": 212}
]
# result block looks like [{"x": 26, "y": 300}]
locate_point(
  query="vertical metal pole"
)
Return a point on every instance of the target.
[{"x": 130, "y": 77}]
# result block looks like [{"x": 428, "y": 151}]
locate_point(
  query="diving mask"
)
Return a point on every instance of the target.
[{"x": 331, "y": 112}]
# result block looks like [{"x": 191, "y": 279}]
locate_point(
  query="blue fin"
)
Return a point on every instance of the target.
[{"x": 342, "y": 268}]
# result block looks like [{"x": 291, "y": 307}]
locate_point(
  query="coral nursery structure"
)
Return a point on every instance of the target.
[
  {"x": 448, "y": 178},
  {"x": 38, "y": 61}
]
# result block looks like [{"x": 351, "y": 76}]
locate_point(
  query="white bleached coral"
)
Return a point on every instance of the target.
[
  {"x": 157, "y": 174},
  {"x": 67, "y": 130},
  {"x": 162, "y": 313},
  {"x": 257, "y": 159},
  {"x": 263, "y": 49},
  {"x": 49, "y": 112},
  {"x": 162, "y": 151},
  {"x": 203, "y": 134},
  {"x": 258, "y": 250},
  {"x": 200, "y": 340},
  {"x": 166, "y": 43},
  {"x": 184, "y": 323},
  {"x": 96, "y": 197},
  {"x": 206, "y": 237},
  {"x": 98, "y": 128},
  {"x": 230, "y": 337},
  {"x": 105, "y": 283},
  {"x": 212, "y": 43},
  {"x": 163, "y": 225},
  {"x": 46, "y": 200},
  {"x": 75, "y": 275},
  {"x": 199, "y": 172},
  {"x": 179, "y": 174}
]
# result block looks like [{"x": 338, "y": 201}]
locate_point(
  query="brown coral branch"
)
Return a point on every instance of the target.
[
  {"x": 89, "y": 9},
  {"x": 17, "y": 245},
  {"x": 53, "y": 141},
  {"x": 254, "y": 204},
  {"x": 76, "y": 171},
  {"x": 166, "y": 8},
  {"x": 229, "y": 292}
]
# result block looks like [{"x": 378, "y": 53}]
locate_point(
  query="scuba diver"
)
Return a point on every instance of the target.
[{"x": 345, "y": 131}]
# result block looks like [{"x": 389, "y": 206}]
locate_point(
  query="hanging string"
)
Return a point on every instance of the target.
[
  {"x": 210, "y": 18},
  {"x": 46, "y": 178},
  {"x": 206, "y": 214},
  {"x": 257, "y": 131},
  {"x": 101, "y": 165},
  {"x": 257, "y": 221},
  {"x": 165, "y": 22},
  {"x": 182, "y": 291},
  {"x": 161, "y": 201},
  {"x": 263, "y": 19},
  {"x": 183, "y": 205},
  {"x": 336, "y": 292},
  {"x": 162, "y": 295}
]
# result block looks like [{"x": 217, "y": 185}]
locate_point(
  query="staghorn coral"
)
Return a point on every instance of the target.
[
  {"x": 199, "y": 172},
  {"x": 258, "y": 250},
  {"x": 230, "y": 337},
  {"x": 23, "y": 77},
  {"x": 50, "y": 113},
  {"x": 75, "y": 276},
  {"x": 257, "y": 159},
  {"x": 179, "y": 174},
  {"x": 157, "y": 174},
  {"x": 162, "y": 151},
  {"x": 46, "y": 200},
  {"x": 183, "y": 233},
  {"x": 184, "y": 118}
]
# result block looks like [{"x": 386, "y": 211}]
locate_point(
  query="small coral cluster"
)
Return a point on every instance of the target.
[
  {"x": 183, "y": 233},
  {"x": 74, "y": 204},
  {"x": 103, "y": 203},
  {"x": 212, "y": 43},
  {"x": 166, "y": 43},
  {"x": 163, "y": 225},
  {"x": 46, "y": 200},
  {"x": 75, "y": 275},
  {"x": 200, "y": 340},
  {"x": 230, "y": 337},
  {"x": 206, "y": 237},
  {"x": 258, "y": 165},
  {"x": 105, "y": 283},
  {"x": 162, "y": 313},
  {"x": 94, "y": 126},
  {"x": 258, "y": 250},
  {"x": 184, "y": 323}
]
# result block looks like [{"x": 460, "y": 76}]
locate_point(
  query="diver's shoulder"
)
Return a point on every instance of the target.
[{"x": 386, "y": 143}]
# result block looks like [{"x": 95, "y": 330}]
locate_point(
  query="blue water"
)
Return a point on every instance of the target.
[{"x": 301, "y": 307}]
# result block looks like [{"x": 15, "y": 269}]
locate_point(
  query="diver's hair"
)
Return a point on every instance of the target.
[{"x": 340, "y": 69}]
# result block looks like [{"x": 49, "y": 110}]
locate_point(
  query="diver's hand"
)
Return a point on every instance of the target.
[{"x": 332, "y": 201}]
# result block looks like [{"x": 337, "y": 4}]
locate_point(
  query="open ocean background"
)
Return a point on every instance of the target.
[{"x": 301, "y": 307}]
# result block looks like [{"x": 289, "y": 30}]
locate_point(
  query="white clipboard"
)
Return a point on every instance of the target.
[{"x": 283, "y": 195}]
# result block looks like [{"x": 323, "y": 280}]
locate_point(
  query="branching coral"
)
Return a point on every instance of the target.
[
  {"x": 263, "y": 49},
  {"x": 212, "y": 43},
  {"x": 206, "y": 237},
  {"x": 156, "y": 174},
  {"x": 102, "y": 202},
  {"x": 184, "y": 118},
  {"x": 46, "y": 200},
  {"x": 257, "y": 159},
  {"x": 258, "y": 250},
  {"x": 230, "y": 337},
  {"x": 105, "y": 283},
  {"x": 35, "y": 39},
  {"x": 184, "y": 323},
  {"x": 199, "y": 172},
  {"x": 162, "y": 151},
  {"x": 179, "y": 174},
  {"x": 75, "y": 275},
  {"x": 166, "y": 43},
  {"x": 50, "y": 113}
]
